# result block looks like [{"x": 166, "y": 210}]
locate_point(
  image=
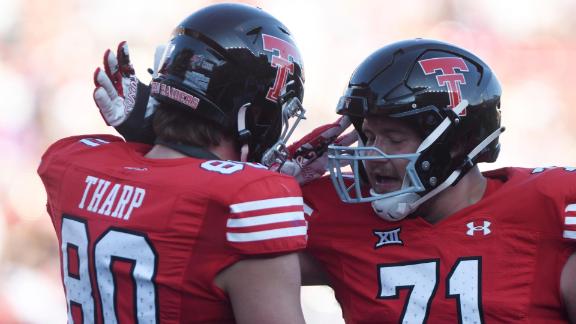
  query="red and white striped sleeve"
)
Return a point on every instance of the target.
[
  {"x": 561, "y": 186},
  {"x": 267, "y": 216},
  {"x": 570, "y": 222}
]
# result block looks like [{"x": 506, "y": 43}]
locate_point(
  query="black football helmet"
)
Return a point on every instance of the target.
[
  {"x": 450, "y": 96},
  {"x": 237, "y": 66}
]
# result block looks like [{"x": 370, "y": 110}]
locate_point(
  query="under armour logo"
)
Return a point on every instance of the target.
[
  {"x": 472, "y": 228},
  {"x": 388, "y": 237}
]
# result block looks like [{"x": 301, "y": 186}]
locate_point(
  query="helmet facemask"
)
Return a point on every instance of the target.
[
  {"x": 415, "y": 189},
  {"x": 412, "y": 185},
  {"x": 275, "y": 156}
]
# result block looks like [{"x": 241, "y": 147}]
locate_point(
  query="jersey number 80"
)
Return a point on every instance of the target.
[{"x": 113, "y": 245}]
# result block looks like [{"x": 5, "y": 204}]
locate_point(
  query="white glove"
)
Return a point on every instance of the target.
[
  {"x": 116, "y": 86},
  {"x": 122, "y": 99},
  {"x": 308, "y": 157}
]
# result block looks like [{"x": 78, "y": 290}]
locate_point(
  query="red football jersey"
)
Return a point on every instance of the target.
[
  {"x": 497, "y": 261},
  {"x": 142, "y": 240}
]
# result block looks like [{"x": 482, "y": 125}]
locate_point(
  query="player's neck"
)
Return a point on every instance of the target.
[
  {"x": 225, "y": 151},
  {"x": 469, "y": 190}
]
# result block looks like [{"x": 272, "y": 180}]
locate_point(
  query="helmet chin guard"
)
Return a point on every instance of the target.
[{"x": 395, "y": 208}]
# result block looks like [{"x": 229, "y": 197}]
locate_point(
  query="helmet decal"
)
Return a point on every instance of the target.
[
  {"x": 281, "y": 61},
  {"x": 157, "y": 88},
  {"x": 449, "y": 77}
]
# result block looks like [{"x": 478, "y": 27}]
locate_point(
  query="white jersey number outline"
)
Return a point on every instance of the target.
[
  {"x": 462, "y": 283},
  {"x": 112, "y": 245},
  {"x": 228, "y": 167}
]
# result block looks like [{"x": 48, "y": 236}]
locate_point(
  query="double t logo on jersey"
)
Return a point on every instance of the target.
[
  {"x": 448, "y": 77},
  {"x": 287, "y": 54}
]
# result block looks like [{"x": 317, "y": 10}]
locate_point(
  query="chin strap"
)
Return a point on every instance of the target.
[
  {"x": 440, "y": 129},
  {"x": 398, "y": 207},
  {"x": 243, "y": 133}
]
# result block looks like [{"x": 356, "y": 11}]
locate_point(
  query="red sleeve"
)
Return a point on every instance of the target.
[
  {"x": 267, "y": 216},
  {"x": 558, "y": 184}
]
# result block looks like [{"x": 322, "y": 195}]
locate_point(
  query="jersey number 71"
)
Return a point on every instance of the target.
[{"x": 462, "y": 283}]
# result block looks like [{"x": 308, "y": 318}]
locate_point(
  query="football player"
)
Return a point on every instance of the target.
[
  {"x": 416, "y": 233},
  {"x": 191, "y": 229},
  {"x": 451, "y": 244}
]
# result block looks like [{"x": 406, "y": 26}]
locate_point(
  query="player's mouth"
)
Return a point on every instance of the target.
[{"x": 385, "y": 182}]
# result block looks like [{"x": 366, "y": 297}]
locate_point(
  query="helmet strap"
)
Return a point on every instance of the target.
[
  {"x": 243, "y": 133},
  {"x": 469, "y": 161},
  {"x": 455, "y": 176},
  {"x": 433, "y": 137}
]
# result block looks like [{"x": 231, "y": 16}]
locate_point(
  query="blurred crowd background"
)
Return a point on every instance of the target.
[{"x": 49, "y": 50}]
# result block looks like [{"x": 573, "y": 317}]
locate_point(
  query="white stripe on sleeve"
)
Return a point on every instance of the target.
[
  {"x": 308, "y": 210},
  {"x": 570, "y": 221},
  {"x": 266, "y": 203},
  {"x": 570, "y": 208},
  {"x": 93, "y": 141},
  {"x": 88, "y": 142},
  {"x": 570, "y": 235},
  {"x": 265, "y": 219},
  {"x": 266, "y": 235}
]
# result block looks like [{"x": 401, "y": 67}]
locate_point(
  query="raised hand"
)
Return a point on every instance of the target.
[
  {"x": 121, "y": 98},
  {"x": 308, "y": 156}
]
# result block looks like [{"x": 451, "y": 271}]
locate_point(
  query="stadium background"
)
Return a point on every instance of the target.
[{"x": 49, "y": 49}]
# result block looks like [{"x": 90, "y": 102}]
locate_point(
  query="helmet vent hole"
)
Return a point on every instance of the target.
[{"x": 284, "y": 30}]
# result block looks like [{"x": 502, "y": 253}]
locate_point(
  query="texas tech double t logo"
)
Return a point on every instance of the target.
[
  {"x": 285, "y": 51},
  {"x": 448, "y": 77}
]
